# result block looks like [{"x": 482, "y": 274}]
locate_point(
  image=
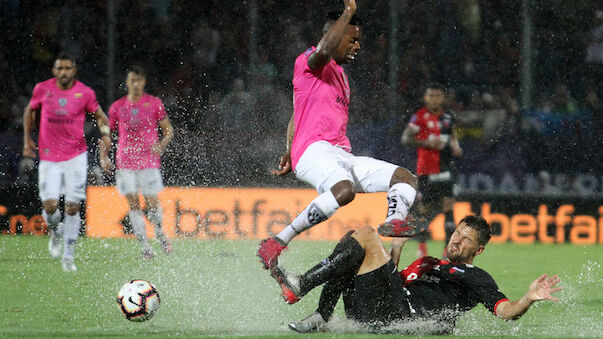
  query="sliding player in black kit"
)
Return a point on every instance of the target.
[{"x": 376, "y": 294}]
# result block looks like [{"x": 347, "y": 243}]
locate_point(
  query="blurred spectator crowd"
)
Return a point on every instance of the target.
[{"x": 223, "y": 69}]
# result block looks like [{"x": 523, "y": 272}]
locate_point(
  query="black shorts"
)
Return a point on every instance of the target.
[
  {"x": 379, "y": 297},
  {"x": 434, "y": 191}
]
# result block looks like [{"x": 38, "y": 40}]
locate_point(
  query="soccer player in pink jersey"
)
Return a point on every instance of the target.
[
  {"x": 137, "y": 117},
  {"x": 62, "y": 103},
  {"x": 318, "y": 150}
]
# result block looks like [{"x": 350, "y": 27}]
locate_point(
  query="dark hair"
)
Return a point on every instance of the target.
[
  {"x": 435, "y": 85},
  {"x": 334, "y": 15},
  {"x": 136, "y": 70},
  {"x": 480, "y": 225},
  {"x": 65, "y": 56}
]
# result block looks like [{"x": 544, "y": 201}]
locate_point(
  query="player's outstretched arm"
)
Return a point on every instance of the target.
[
  {"x": 330, "y": 40},
  {"x": 284, "y": 165},
  {"x": 105, "y": 141},
  {"x": 29, "y": 146},
  {"x": 540, "y": 289}
]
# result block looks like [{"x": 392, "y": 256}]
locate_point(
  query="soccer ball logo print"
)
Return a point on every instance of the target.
[
  {"x": 138, "y": 300},
  {"x": 315, "y": 215}
]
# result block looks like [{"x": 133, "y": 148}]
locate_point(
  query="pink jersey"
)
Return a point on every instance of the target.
[
  {"x": 321, "y": 100},
  {"x": 137, "y": 128},
  {"x": 62, "y": 117}
]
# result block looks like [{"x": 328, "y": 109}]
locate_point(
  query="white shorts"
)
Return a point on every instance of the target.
[
  {"x": 147, "y": 180},
  {"x": 63, "y": 177},
  {"x": 322, "y": 165}
]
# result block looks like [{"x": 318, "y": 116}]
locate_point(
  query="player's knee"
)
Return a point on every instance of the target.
[
  {"x": 72, "y": 208},
  {"x": 50, "y": 206},
  {"x": 402, "y": 175},
  {"x": 150, "y": 203},
  {"x": 133, "y": 202},
  {"x": 366, "y": 236},
  {"x": 344, "y": 192}
]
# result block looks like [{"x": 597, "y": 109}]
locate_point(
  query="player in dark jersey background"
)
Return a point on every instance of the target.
[
  {"x": 431, "y": 131},
  {"x": 375, "y": 293}
]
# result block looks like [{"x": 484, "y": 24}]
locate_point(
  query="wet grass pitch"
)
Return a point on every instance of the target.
[{"x": 218, "y": 288}]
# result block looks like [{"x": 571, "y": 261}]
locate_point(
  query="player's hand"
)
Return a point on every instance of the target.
[
  {"x": 543, "y": 288},
  {"x": 284, "y": 166},
  {"x": 29, "y": 148},
  {"x": 157, "y": 149},
  {"x": 350, "y": 5},
  {"x": 106, "y": 164},
  {"x": 457, "y": 151}
]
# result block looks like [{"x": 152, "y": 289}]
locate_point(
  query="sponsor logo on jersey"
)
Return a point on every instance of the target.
[
  {"x": 78, "y": 95},
  {"x": 146, "y": 104},
  {"x": 134, "y": 111},
  {"x": 62, "y": 102}
]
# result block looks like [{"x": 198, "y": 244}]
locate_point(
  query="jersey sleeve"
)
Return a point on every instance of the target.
[
  {"x": 486, "y": 290},
  {"x": 36, "y": 98},
  {"x": 91, "y": 104},
  {"x": 113, "y": 116}
]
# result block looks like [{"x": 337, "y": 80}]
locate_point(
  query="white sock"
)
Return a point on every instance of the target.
[
  {"x": 155, "y": 217},
  {"x": 137, "y": 221},
  {"x": 52, "y": 220},
  {"x": 319, "y": 210},
  {"x": 399, "y": 199},
  {"x": 71, "y": 231}
]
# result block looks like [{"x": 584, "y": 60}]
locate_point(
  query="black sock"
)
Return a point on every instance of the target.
[
  {"x": 331, "y": 291},
  {"x": 345, "y": 259}
]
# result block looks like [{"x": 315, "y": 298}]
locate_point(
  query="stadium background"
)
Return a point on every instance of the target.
[{"x": 522, "y": 77}]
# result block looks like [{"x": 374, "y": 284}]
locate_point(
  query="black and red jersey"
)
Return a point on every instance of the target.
[
  {"x": 429, "y": 125},
  {"x": 435, "y": 286}
]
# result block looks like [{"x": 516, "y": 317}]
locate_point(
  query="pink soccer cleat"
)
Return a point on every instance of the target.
[
  {"x": 269, "y": 250},
  {"x": 398, "y": 228}
]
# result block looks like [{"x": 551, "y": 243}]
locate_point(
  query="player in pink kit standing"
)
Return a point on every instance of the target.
[
  {"x": 137, "y": 116},
  {"x": 318, "y": 150},
  {"x": 63, "y": 103}
]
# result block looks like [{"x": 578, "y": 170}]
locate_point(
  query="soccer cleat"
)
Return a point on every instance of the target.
[
  {"x": 289, "y": 283},
  {"x": 54, "y": 244},
  {"x": 313, "y": 323},
  {"x": 397, "y": 228},
  {"x": 68, "y": 265},
  {"x": 146, "y": 255},
  {"x": 269, "y": 250}
]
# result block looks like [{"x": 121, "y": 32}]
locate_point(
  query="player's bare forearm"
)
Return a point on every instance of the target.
[
  {"x": 330, "y": 40},
  {"x": 408, "y": 138},
  {"x": 103, "y": 126},
  {"x": 167, "y": 131},
  {"x": 396, "y": 249},
  {"x": 457, "y": 151},
  {"x": 290, "y": 132},
  {"x": 29, "y": 145},
  {"x": 540, "y": 289},
  {"x": 513, "y": 310}
]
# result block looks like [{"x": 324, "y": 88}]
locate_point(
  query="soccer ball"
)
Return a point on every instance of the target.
[{"x": 138, "y": 300}]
